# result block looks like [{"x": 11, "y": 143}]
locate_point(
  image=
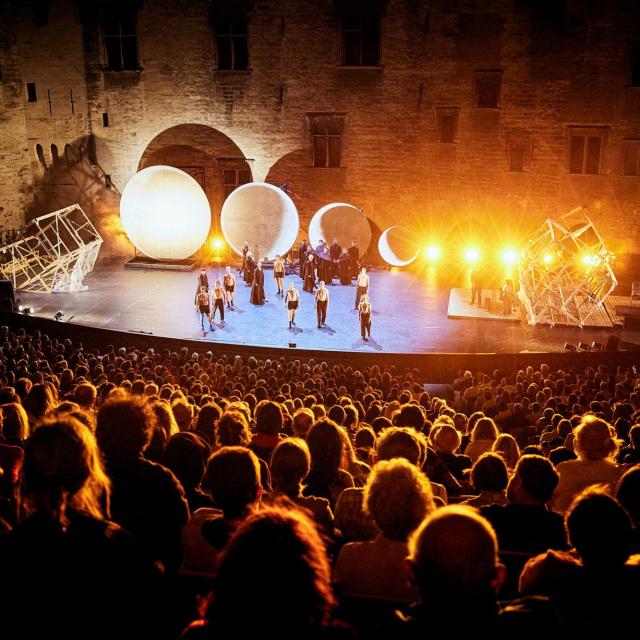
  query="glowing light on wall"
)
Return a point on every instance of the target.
[
  {"x": 165, "y": 213},
  {"x": 432, "y": 253},
  {"x": 509, "y": 257},
  {"x": 397, "y": 246},
  {"x": 472, "y": 254}
]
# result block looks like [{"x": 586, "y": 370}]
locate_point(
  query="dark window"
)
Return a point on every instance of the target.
[
  {"x": 635, "y": 65},
  {"x": 584, "y": 154},
  {"x": 121, "y": 43},
  {"x": 39, "y": 12},
  {"x": 488, "y": 90},
  {"x": 360, "y": 39},
  {"x": 447, "y": 125},
  {"x": 233, "y": 178},
  {"x": 326, "y": 138},
  {"x": 105, "y": 119},
  {"x": 32, "y": 96},
  {"x": 40, "y": 154},
  {"x": 232, "y": 44},
  {"x": 54, "y": 153},
  {"x": 631, "y": 157},
  {"x": 516, "y": 159}
]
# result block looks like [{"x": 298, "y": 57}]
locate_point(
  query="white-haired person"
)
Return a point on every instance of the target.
[
  {"x": 596, "y": 448},
  {"x": 483, "y": 436}
]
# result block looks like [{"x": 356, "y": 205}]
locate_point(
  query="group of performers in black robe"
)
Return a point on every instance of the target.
[{"x": 318, "y": 268}]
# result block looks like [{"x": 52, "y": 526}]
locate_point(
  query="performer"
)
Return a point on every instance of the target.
[
  {"x": 362, "y": 285},
  {"x": 335, "y": 252},
  {"x": 508, "y": 295},
  {"x": 364, "y": 312},
  {"x": 323, "y": 264},
  {"x": 245, "y": 251},
  {"x": 354, "y": 254},
  {"x": 309, "y": 274},
  {"x": 291, "y": 303},
  {"x": 302, "y": 252},
  {"x": 344, "y": 268},
  {"x": 229, "y": 281},
  {"x": 249, "y": 268},
  {"x": 257, "y": 288},
  {"x": 322, "y": 304},
  {"x": 278, "y": 274},
  {"x": 217, "y": 297},
  {"x": 202, "y": 300},
  {"x": 476, "y": 286},
  {"x": 203, "y": 281}
]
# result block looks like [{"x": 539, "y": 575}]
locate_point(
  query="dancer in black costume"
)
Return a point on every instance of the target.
[
  {"x": 309, "y": 274},
  {"x": 364, "y": 313},
  {"x": 291, "y": 303},
  {"x": 354, "y": 255},
  {"x": 249, "y": 268},
  {"x": 257, "y": 288}
]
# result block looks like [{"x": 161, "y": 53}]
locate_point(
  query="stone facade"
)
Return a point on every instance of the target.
[{"x": 556, "y": 69}]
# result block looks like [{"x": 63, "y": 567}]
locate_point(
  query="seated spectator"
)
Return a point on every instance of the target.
[
  {"x": 628, "y": 494},
  {"x": 269, "y": 423},
  {"x": 596, "y": 582},
  {"x": 277, "y": 562},
  {"x": 15, "y": 424},
  {"x": 483, "y": 436},
  {"x": 632, "y": 453},
  {"x": 507, "y": 448},
  {"x": 85, "y": 395},
  {"x": 526, "y": 524},
  {"x": 207, "y": 421},
  {"x": 359, "y": 470},
  {"x": 560, "y": 454},
  {"x": 398, "y": 497},
  {"x": 365, "y": 443},
  {"x": 303, "y": 419},
  {"x": 146, "y": 498},
  {"x": 327, "y": 479},
  {"x": 489, "y": 479},
  {"x": 459, "y": 593},
  {"x": 232, "y": 478},
  {"x": 183, "y": 413},
  {"x": 596, "y": 450},
  {"x": 290, "y": 465},
  {"x": 80, "y": 570},
  {"x": 447, "y": 442}
]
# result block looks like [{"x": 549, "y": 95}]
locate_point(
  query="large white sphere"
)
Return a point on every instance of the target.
[
  {"x": 264, "y": 216},
  {"x": 165, "y": 213},
  {"x": 398, "y": 246},
  {"x": 341, "y": 221}
]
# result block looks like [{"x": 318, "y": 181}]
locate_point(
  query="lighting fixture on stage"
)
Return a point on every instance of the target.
[
  {"x": 58, "y": 316},
  {"x": 471, "y": 254},
  {"x": 432, "y": 253},
  {"x": 25, "y": 310},
  {"x": 584, "y": 346},
  {"x": 217, "y": 244},
  {"x": 597, "y": 346},
  {"x": 547, "y": 259},
  {"x": 509, "y": 257},
  {"x": 569, "y": 347},
  {"x": 165, "y": 213},
  {"x": 397, "y": 246}
]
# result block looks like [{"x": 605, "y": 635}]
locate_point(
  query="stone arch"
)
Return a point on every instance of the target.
[{"x": 211, "y": 157}]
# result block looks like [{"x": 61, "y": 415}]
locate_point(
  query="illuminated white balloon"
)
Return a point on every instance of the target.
[
  {"x": 165, "y": 213},
  {"x": 341, "y": 221},
  {"x": 264, "y": 216},
  {"x": 398, "y": 247}
]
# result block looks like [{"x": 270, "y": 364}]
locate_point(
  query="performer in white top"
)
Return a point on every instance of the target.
[
  {"x": 364, "y": 312},
  {"x": 229, "y": 281},
  {"x": 362, "y": 285},
  {"x": 291, "y": 303},
  {"x": 322, "y": 304}
]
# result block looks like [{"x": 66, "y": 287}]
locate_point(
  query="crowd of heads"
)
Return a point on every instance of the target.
[{"x": 307, "y": 496}]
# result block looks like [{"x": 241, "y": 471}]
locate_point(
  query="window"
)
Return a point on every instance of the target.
[
  {"x": 635, "y": 65},
  {"x": 326, "y": 137},
  {"x": 54, "y": 153},
  {"x": 105, "y": 119},
  {"x": 447, "y": 124},
  {"x": 631, "y": 157},
  {"x": 360, "y": 39},
  {"x": 586, "y": 146},
  {"x": 233, "y": 178},
  {"x": 488, "y": 85},
  {"x": 519, "y": 152},
  {"x": 32, "y": 96},
  {"x": 40, "y": 155},
  {"x": 121, "y": 43},
  {"x": 232, "y": 43}
]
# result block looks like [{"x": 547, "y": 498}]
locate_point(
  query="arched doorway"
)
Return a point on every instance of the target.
[{"x": 205, "y": 153}]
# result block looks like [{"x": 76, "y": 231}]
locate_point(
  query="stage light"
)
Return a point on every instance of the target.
[
  {"x": 547, "y": 258},
  {"x": 217, "y": 244},
  {"x": 58, "y": 316},
  {"x": 165, "y": 213},
  {"x": 432, "y": 253},
  {"x": 509, "y": 257},
  {"x": 472, "y": 254},
  {"x": 589, "y": 260}
]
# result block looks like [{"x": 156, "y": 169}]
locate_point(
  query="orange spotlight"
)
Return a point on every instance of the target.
[
  {"x": 432, "y": 253},
  {"x": 472, "y": 254},
  {"x": 547, "y": 258},
  {"x": 509, "y": 257},
  {"x": 217, "y": 243}
]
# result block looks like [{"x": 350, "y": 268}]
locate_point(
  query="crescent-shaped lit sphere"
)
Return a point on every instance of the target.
[
  {"x": 398, "y": 247},
  {"x": 264, "y": 216},
  {"x": 165, "y": 213},
  {"x": 341, "y": 221}
]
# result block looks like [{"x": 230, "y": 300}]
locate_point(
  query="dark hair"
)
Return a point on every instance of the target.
[
  {"x": 337, "y": 414},
  {"x": 206, "y": 423},
  {"x": 628, "y": 492},
  {"x": 399, "y": 442},
  {"x": 186, "y": 454},
  {"x": 489, "y": 473},
  {"x": 233, "y": 430},
  {"x": 326, "y": 447},
  {"x": 268, "y": 417},
  {"x": 538, "y": 477},
  {"x": 410, "y": 415}
]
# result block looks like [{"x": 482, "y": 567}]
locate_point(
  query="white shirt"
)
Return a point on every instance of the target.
[{"x": 363, "y": 280}]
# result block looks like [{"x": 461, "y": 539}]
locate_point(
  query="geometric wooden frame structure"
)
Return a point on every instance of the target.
[
  {"x": 55, "y": 253},
  {"x": 565, "y": 271}
]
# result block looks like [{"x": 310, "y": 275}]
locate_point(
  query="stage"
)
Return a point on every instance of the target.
[{"x": 409, "y": 315}]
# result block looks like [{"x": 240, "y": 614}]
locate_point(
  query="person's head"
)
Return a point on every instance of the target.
[
  {"x": 398, "y": 497},
  {"x": 186, "y": 455},
  {"x": 484, "y": 429},
  {"x": 326, "y": 446},
  {"x": 447, "y": 439},
  {"x": 634, "y": 436},
  {"x": 353, "y": 243},
  {"x": 533, "y": 482},
  {"x": 62, "y": 468},
  {"x": 290, "y": 464},
  {"x": 399, "y": 442},
  {"x": 628, "y": 492},
  {"x": 599, "y": 529},
  {"x": 291, "y": 285},
  {"x": 277, "y": 561},
  {"x": 410, "y": 415},
  {"x": 594, "y": 439},
  {"x": 268, "y": 418},
  {"x": 363, "y": 270},
  {"x": 505, "y": 445},
  {"x": 322, "y": 284},
  {"x": 15, "y": 423},
  {"x": 39, "y": 400},
  {"x": 227, "y": 269},
  {"x": 232, "y": 478},
  {"x": 85, "y": 395},
  {"x": 183, "y": 413},
  {"x": 302, "y": 421},
  {"x": 124, "y": 427},
  {"x": 439, "y": 557},
  {"x": 218, "y": 285},
  {"x": 233, "y": 430},
  {"x": 489, "y": 473}
]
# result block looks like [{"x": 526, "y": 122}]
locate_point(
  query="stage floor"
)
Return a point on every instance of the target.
[{"x": 409, "y": 315}]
